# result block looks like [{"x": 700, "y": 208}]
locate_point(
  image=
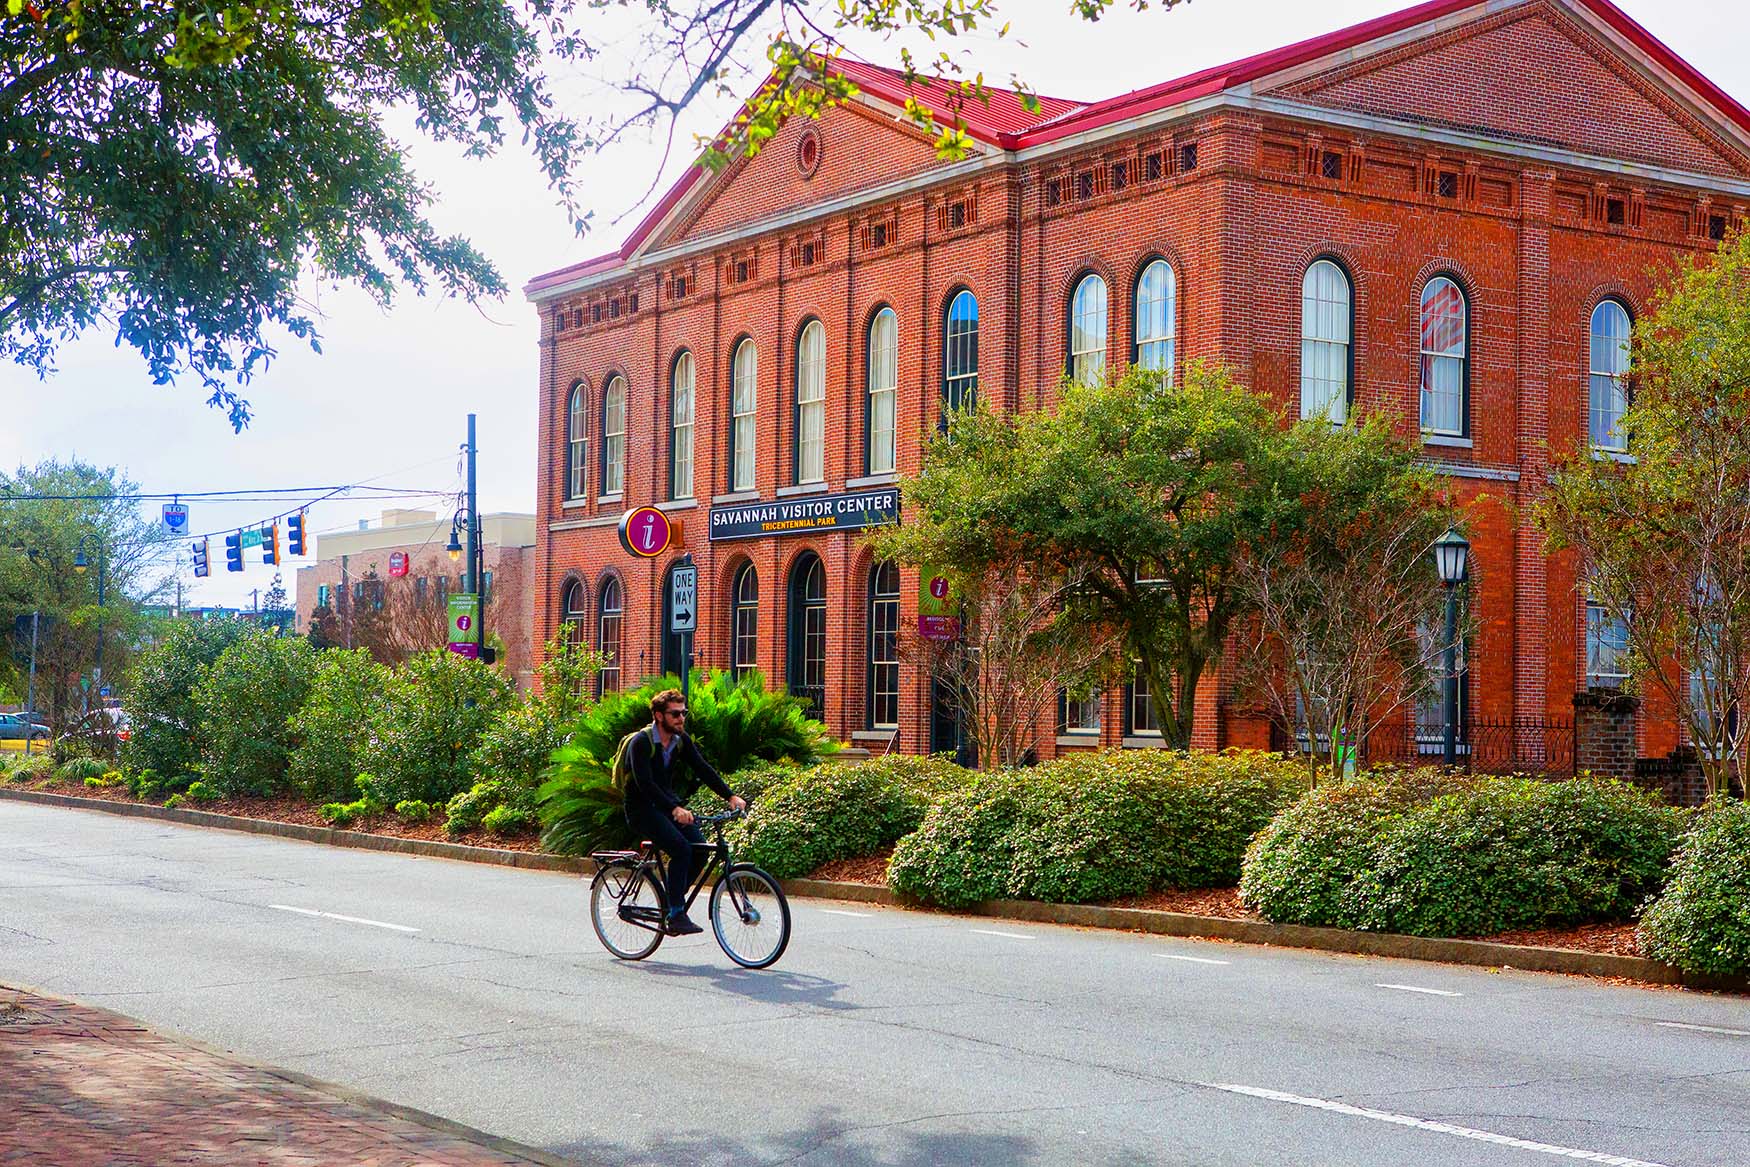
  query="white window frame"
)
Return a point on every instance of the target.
[
  {"x": 614, "y": 435},
  {"x": 577, "y": 452},
  {"x": 744, "y": 398},
  {"x": 1449, "y": 360},
  {"x": 1157, "y": 299},
  {"x": 1089, "y": 317},
  {"x": 811, "y": 403},
  {"x": 680, "y": 471},
  {"x": 1606, "y": 368},
  {"x": 1326, "y": 314},
  {"x": 883, "y": 391},
  {"x": 960, "y": 353}
]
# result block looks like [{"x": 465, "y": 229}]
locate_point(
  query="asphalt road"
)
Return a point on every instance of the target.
[{"x": 882, "y": 1037}]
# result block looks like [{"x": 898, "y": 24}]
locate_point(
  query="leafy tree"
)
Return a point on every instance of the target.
[
  {"x": 1663, "y": 535},
  {"x": 1340, "y": 583},
  {"x": 177, "y": 169},
  {"x": 160, "y": 698},
  {"x": 1144, "y": 494},
  {"x": 423, "y": 736},
  {"x": 332, "y": 726},
  {"x": 247, "y": 704}
]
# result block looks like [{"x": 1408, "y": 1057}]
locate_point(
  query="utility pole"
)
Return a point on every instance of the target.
[
  {"x": 255, "y": 599},
  {"x": 30, "y": 686},
  {"x": 345, "y": 602},
  {"x": 474, "y": 585}
]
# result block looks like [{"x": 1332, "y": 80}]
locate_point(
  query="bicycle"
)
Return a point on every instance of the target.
[{"x": 628, "y": 906}]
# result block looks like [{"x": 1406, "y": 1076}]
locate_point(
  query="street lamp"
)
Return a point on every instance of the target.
[
  {"x": 80, "y": 563},
  {"x": 1451, "y": 561},
  {"x": 455, "y": 547}
]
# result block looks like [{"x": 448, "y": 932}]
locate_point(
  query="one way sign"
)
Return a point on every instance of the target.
[{"x": 683, "y": 599}]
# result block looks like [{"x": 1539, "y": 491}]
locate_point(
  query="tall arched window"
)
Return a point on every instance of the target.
[
  {"x": 1325, "y": 315},
  {"x": 883, "y": 390},
  {"x": 680, "y": 449},
  {"x": 1608, "y": 366},
  {"x": 614, "y": 436},
  {"x": 573, "y": 607},
  {"x": 1087, "y": 331},
  {"x": 609, "y": 614},
  {"x": 1445, "y": 364},
  {"x": 805, "y": 650},
  {"x": 1156, "y": 303},
  {"x": 883, "y": 646},
  {"x": 742, "y": 400},
  {"x": 744, "y": 634},
  {"x": 811, "y": 403},
  {"x": 960, "y": 352},
  {"x": 577, "y": 427}
]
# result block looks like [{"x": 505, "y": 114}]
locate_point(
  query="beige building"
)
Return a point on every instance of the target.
[{"x": 399, "y": 568}]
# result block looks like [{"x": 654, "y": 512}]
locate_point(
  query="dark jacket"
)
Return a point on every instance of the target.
[{"x": 653, "y": 786}]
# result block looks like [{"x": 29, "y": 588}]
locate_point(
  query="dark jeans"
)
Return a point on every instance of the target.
[{"x": 674, "y": 841}]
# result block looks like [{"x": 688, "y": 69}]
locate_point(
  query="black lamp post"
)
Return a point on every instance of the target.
[
  {"x": 1452, "y": 562},
  {"x": 79, "y": 565}
]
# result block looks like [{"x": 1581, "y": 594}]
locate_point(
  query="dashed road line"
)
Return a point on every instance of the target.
[
  {"x": 842, "y": 912},
  {"x": 1192, "y": 959},
  {"x": 1006, "y": 935},
  {"x": 1420, "y": 989},
  {"x": 347, "y": 919},
  {"x": 1704, "y": 1028}
]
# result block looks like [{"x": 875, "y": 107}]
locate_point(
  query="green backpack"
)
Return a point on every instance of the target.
[{"x": 622, "y": 777}]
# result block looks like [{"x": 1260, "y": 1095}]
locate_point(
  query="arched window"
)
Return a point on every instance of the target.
[
  {"x": 960, "y": 352},
  {"x": 744, "y": 636},
  {"x": 1325, "y": 315},
  {"x": 1445, "y": 365},
  {"x": 1156, "y": 303},
  {"x": 609, "y": 614},
  {"x": 614, "y": 436},
  {"x": 573, "y": 607},
  {"x": 811, "y": 403},
  {"x": 805, "y": 650},
  {"x": 680, "y": 449},
  {"x": 883, "y": 390},
  {"x": 577, "y": 481},
  {"x": 1087, "y": 331},
  {"x": 1608, "y": 366},
  {"x": 741, "y": 404},
  {"x": 883, "y": 646}
]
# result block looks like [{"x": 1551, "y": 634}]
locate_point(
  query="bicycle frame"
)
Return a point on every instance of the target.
[{"x": 649, "y": 859}]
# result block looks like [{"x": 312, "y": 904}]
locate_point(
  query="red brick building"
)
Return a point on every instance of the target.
[{"x": 1449, "y": 214}]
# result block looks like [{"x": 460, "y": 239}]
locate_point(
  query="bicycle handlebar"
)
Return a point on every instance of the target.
[{"x": 712, "y": 820}]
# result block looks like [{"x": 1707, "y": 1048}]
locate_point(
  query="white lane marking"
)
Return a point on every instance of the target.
[
  {"x": 348, "y": 919},
  {"x": 1192, "y": 959},
  {"x": 1442, "y": 1128},
  {"x": 1420, "y": 989},
  {"x": 1008, "y": 935},
  {"x": 1704, "y": 1028},
  {"x": 842, "y": 912}
]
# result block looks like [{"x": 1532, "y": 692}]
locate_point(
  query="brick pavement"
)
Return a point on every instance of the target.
[{"x": 83, "y": 1087}]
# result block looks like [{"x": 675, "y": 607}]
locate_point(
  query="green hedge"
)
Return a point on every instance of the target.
[
  {"x": 1092, "y": 827},
  {"x": 1701, "y": 923},
  {"x": 803, "y": 818},
  {"x": 1428, "y": 855}
]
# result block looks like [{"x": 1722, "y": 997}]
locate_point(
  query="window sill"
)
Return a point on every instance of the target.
[
  {"x": 609, "y": 497},
  {"x": 874, "y": 735},
  {"x": 574, "y": 504},
  {"x": 612, "y": 520},
  {"x": 1452, "y": 440},
  {"x": 871, "y": 480},
  {"x": 737, "y": 496},
  {"x": 678, "y": 504},
  {"x": 801, "y": 488},
  {"x": 1599, "y": 454},
  {"x": 1146, "y": 741},
  {"x": 1086, "y": 741}
]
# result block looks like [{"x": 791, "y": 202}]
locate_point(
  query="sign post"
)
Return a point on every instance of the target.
[{"x": 683, "y": 610}]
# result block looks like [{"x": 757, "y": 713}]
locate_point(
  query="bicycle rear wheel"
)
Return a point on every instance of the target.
[
  {"x": 750, "y": 916},
  {"x": 627, "y": 908}
]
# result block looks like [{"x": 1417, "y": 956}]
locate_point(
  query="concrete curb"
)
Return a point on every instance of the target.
[
  {"x": 436, "y": 1122},
  {"x": 1473, "y": 952}
]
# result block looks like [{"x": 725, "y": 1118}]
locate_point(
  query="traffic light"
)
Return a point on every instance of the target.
[
  {"x": 200, "y": 557},
  {"x": 295, "y": 534},
  {"x": 270, "y": 543},
  {"x": 234, "y": 551}
]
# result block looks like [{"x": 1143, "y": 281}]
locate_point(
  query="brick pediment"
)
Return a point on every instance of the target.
[
  {"x": 855, "y": 147},
  {"x": 1533, "y": 73}
]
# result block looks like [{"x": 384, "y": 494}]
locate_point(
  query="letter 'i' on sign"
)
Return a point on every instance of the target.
[{"x": 646, "y": 532}]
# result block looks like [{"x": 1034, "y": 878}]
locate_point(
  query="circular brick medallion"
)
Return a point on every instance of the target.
[{"x": 808, "y": 153}]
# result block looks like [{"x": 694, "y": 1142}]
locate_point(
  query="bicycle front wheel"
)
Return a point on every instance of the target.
[
  {"x": 627, "y": 908},
  {"x": 750, "y": 916}
]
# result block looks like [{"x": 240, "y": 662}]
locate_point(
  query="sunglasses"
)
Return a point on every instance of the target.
[{"x": 675, "y": 712}]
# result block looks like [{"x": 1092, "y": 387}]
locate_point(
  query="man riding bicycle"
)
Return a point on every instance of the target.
[{"x": 656, "y": 811}]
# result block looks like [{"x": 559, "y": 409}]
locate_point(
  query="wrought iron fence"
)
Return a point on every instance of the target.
[{"x": 1530, "y": 745}]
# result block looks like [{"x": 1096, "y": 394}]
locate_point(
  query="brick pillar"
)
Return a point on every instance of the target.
[
  {"x": 1604, "y": 733},
  {"x": 1531, "y": 567}
]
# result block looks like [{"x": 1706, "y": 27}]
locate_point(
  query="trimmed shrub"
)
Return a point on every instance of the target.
[
  {"x": 509, "y": 820},
  {"x": 1482, "y": 855},
  {"x": 836, "y": 810},
  {"x": 413, "y": 810},
  {"x": 246, "y": 703},
  {"x": 1093, "y": 827},
  {"x": 201, "y": 792},
  {"x": 75, "y": 770},
  {"x": 346, "y": 693},
  {"x": 160, "y": 698},
  {"x": 422, "y": 737},
  {"x": 1701, "y": 923}
]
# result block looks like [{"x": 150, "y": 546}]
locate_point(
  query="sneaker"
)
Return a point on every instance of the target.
[{"x": 681, "y": 925}]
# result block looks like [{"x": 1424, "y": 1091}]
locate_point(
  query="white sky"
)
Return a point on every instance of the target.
[{"x": 388, "y": 399}]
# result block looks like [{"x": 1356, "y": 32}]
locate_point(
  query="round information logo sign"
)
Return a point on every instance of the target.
[{"x": 646, "y": 532}]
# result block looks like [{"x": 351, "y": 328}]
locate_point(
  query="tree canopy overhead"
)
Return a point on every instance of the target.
[{"x": 175, "y": 169}]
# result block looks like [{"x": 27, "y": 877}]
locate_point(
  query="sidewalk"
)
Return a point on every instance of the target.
[{"x": 82, "y": 1087}]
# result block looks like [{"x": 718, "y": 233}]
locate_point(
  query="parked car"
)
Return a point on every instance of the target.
[{"x": 19, "y": 727}]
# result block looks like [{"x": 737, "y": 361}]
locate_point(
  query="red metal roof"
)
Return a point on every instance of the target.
[{"x": 1005, "y": 122}]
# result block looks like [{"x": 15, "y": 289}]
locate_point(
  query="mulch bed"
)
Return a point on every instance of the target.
[{"x": 1222, "y": 903}]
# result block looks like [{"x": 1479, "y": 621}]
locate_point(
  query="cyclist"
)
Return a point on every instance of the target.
[{"x": 656, "y": 811}]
